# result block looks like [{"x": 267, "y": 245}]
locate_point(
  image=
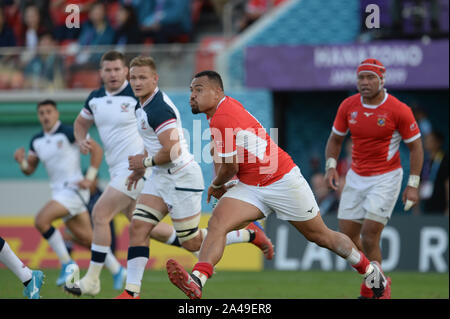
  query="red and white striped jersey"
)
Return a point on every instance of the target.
[
  {"x": 236, "y": 132},
  {"x": 376, "y": 132}
]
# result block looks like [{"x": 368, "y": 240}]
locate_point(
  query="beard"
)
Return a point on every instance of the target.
[{"x": 194, "y": 109}]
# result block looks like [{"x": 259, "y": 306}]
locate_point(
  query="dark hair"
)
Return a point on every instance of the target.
[
  {"x": 132, "y": 20},
  {"x": 46, "y": 102},
  {"x": 112, "y": 56},
  {"x": 212, "y": 75}
]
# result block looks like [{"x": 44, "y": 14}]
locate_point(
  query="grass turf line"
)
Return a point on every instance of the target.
[{"x": 251, "y": 285}]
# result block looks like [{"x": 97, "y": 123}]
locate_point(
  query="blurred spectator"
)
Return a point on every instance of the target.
[
  {"x": 44, "y": 9},
  {"x": 256, "y": 9},
  {"x": 314, "y": 163},
  {"x": 58, "y": 14},
  {"x": 218, "y": 7},
  {"x": 142, "y": 8},
  {"x": 13, "y": 17},
  {"x": 344, "y": 164},
  {"x": 417, "y": 11},
  {"x": 422, "y": 120},
  {"x": 434, "y": 188},
  {"x": 32, "y": 27},
  {"x": 10, "y": 76},
  {"x": 95, "y": 31},
  {"x": 165, "y": 20},
  {"x": 326, "y": 198},
  {"x": 45, "y": 68},
  {"x": 7, "y": 38},
  {"x": 127, "y": 31}
]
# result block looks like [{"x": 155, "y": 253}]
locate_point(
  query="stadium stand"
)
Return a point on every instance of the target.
[{"x": 284, "y": 23}]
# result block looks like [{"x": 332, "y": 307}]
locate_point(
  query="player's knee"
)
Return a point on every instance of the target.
[
  {"x": 139, "y": 233},
  {"x": 147, "y": 215},
  {"x": 41, "y": 224},
  {"x": 193, "y": 244},
  {"x": 85, "y": 241},
  {"x": 143, "y": 221},
  {"x": 97, "y": 217},
  {"x": 216, "y": 225},
  {"x": 100, "y": 217},
  {"x": 188, "y": 233}
]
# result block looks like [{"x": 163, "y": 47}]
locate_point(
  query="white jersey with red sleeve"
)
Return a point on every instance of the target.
[
  {"x": 376, "y": 132},
  {"x": 236, "y": 132}
]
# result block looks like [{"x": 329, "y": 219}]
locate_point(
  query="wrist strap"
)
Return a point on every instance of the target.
[
  {"x": 148, "y": 162},
  {"x": 216, "y": 186},
  {"x": 414, "y": 181},
  {"x": 24, "y": 165},
  {"x": 330, "y": 163},
  {"x": 91, "y": 173}
]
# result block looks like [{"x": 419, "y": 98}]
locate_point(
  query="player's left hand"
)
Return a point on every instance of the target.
[
  {"x": 136, "y": 162},
  {"x": 410, "y": 195},
  {"x": 215, "y": 192},
  {"x": 85, "y": 183}
]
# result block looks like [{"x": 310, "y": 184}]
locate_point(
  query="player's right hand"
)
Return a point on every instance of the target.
[
  {"x": 332, "y": 178},
  {"x": 85, "y": 146},
  {"x": 133, "y": 179},
  {"x": 85, "y": 183},
  {"x": 215, "y": 192},
  {"x": 19, "y": 155}
]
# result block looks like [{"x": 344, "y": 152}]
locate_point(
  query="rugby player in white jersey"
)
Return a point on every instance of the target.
[
  {"x": 111, "y": 108},
  {"x": 176, "y": 184},
  {"x": 56, "y": 148}
]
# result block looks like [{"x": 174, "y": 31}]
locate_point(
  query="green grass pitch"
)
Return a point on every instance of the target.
[{"x": 252, "y": 285}]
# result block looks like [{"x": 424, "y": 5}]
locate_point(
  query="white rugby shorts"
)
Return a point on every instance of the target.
[
  {"x": 119, "y": 179},
  {"x": 370, "y": 197},
  {"x": 75, "y": 200},
  {"x": 290, "y": 198},
  {"x": 181, "y": 191}
]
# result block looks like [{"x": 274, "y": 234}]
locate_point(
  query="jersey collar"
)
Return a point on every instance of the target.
[
  {"x": 220, "y": 102},
  {"x": 124, "y": 85},
  {"x": 54, "y": 128},
  {"x": 375, "y": 106},
  {"x": 150, "y": 98}
]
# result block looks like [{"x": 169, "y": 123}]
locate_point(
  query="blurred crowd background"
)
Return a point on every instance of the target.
[
  {"x": 55, "y": 56},
  {"x": 41, "y": 57}
]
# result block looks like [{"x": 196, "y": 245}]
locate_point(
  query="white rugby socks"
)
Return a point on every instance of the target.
[
  {"x": 56, "y": 241},
  {"x": 137, "y": 261},
  {"x": 98, "y": 258},
  {"x": 238, "y": 236},
  {"x": 111, "y": 262},
  {"x": 10, "y": 260}
]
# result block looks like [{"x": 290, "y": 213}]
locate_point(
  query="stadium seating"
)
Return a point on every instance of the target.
[{"x": 290, "y": 24}]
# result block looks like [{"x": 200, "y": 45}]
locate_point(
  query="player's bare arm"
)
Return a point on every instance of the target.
[
  {"x": 27, "y": 164},
  {"x": 81, "y": 129},
  {"x": 332, "y": 151},
  {"x": 96, "y": 153},
  {"x": 169, "y": 152},
  {"x": 411, "y": 192},
  {"x": 228, "y": 167}
]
